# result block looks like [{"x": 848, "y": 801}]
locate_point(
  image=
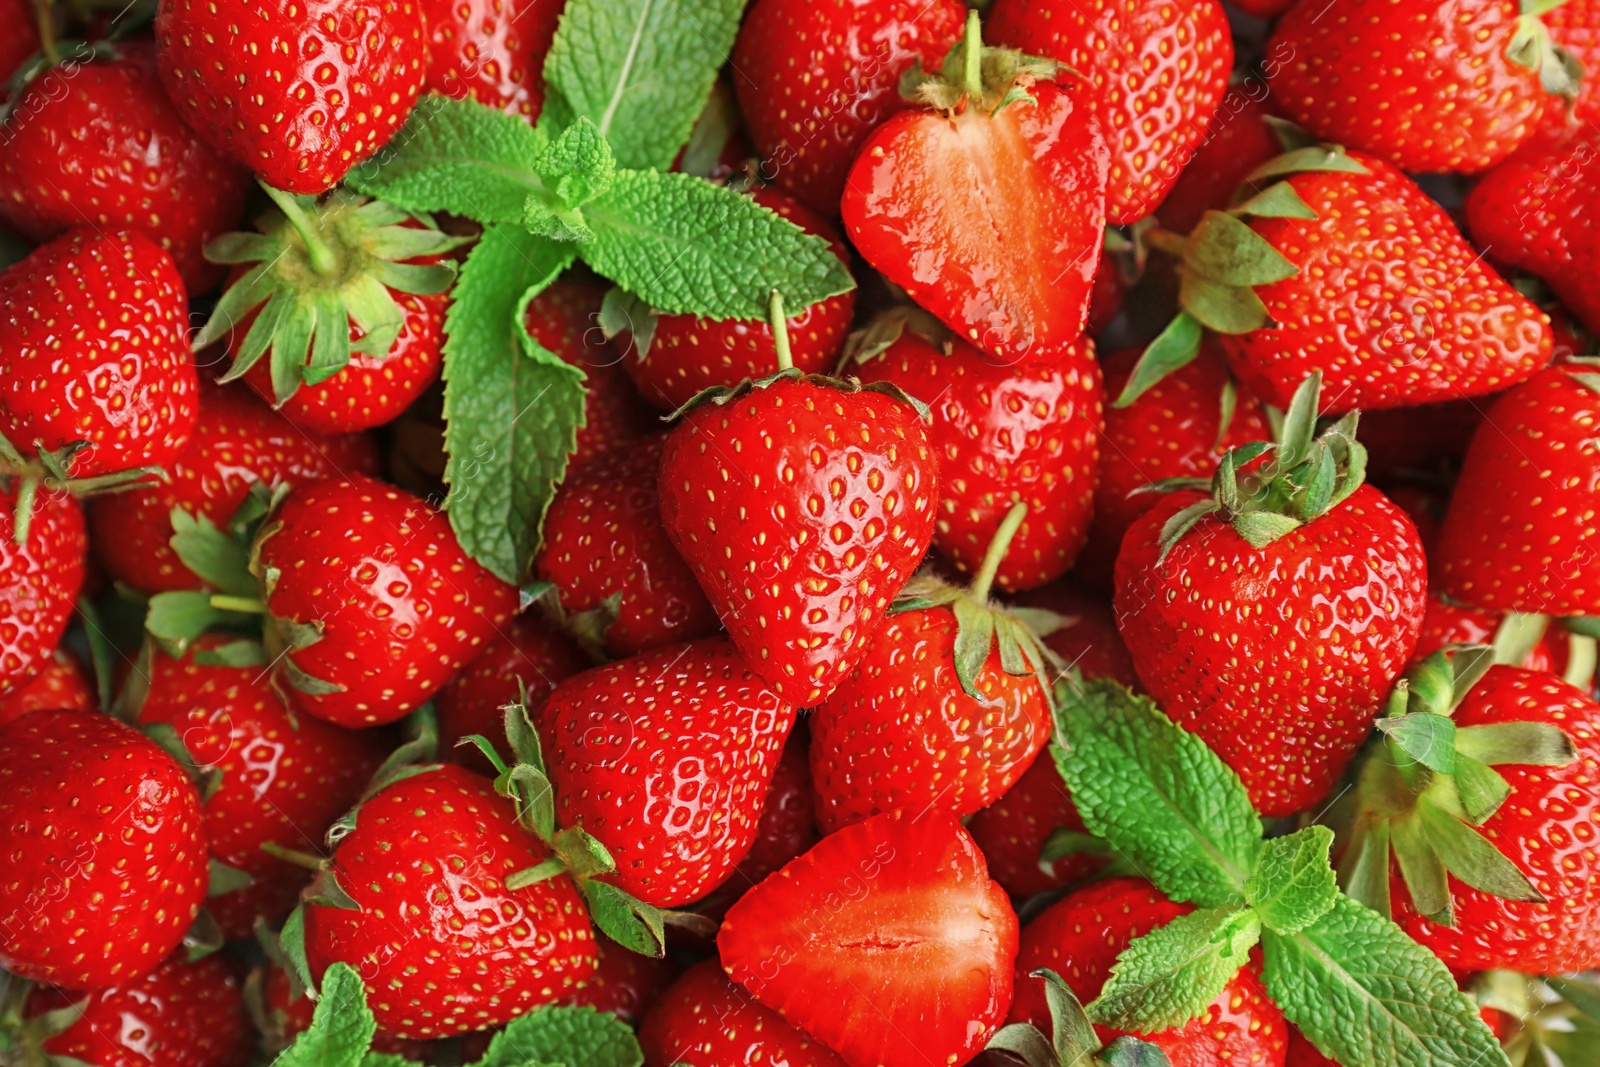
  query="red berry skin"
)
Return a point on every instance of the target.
[
  {"x": 624, "y": 983},
  {"x": 1079, "y": 938},
  {"x": 60, "y": 685},
  {"x": 427, "y": 863},
  {"x": 1521, "y": 534},
  {"x": 400, "y": 607},
  {"x": 1236, "y": 143},
  {"x": 1546, "y": 827},
  {"x": 108, "y": 150},
  {"x": 1315, "y": 626},
  {"x": 1158, "y": 72},
  {"x": 1004, "y": 434},
  {"x": 1302, "y": 1053},
  {"x": 666, "y": 759},
  {"x": 23, "y": 40},
  {"x": 807, "y": 942},
  {"x": 1575, "y": 26},
  {"x": 704, "y": 1020},
  {"x": 1449, "y": 623},
  {"x": 901, "y": 733},
  {"x": 491, "y": 51},
  {"x": 330, "y": 83},
  {"x": 39, "y": 582},
  {"x": 689, "y": 354},
  {"x": 102, "y": 848},
  {"x": 826, "y": 496},
  {"x": 237, "y": 441},
  {"x": 1012, "y": 832},
  {"x": 815, "y": 79},
  {"x": 123, "y": 379},
  {"x": 181, "y": 1014},
  {"x": 788, "y": 825},
  {"x": 993, "y": 223},
  {"x": 603, "y": 539},
  {"x": 1087, "y": 636}
]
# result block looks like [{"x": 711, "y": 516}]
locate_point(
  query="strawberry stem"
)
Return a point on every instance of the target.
[
  {"x": 322, "y": 258},
  {"x": 1174, "y": 244},
  {"x": 243, "y": 604},
  {"x": 997, "y": 551},
  {"x": 972, "y": 68},
  {"x": 780, "y": 331},
  {"x": 22, "y": 518},
  {"x": 44, "y": 15},
  {"x": 294, "y": 856}
]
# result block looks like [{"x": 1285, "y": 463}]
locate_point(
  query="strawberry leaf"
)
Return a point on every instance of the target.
[
  {"x": 1293, "y": 886},
  {"x": 564, "y": 1035}
]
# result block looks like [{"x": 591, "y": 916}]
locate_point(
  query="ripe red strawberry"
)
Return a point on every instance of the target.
[
  {"x": 1309, "y": 603},
  {"x": 704, "y": 1019},
  {"x": 20, "y": 44},
  {"x": 1158, "y": 72},
  {"x": 1374, "y": 57},
  {"x": 991, "y": 219},
  {"x": 122, "y": 381},
  {"x": 1520, "y": 534},
  {"x": 1029, "y": 433},
  {"x": 39, "y": 580},
  {"x": 611, "y": 560},
  {"x": 672, "y": 358},
  {"x": 237, "y": 441},
  {"x": 1575, "y": 28},
  {"x": 1012, "y": 833},
  {"x": 1080, "y": 936},
  {"x": 809, "y": 943},
  {"x": 666, "y": 758},
  {"x": 491, "y": 51},
  {"x": 624, "y": 983},
  {"x": 101, "y": 845},
  {"x": 60, "y": 685},
  {"x": 441, "y": 843},
  {"x": 788, "y": 826},
  {"x": 182, "y": 1014},
  {"x": 307, "y": 113},
  {"x": 814, "y": 79},
  {"x": 374, "y": 606},
  {"x": 110, "y": 151},
  {"x": 1237, "y": 142}
]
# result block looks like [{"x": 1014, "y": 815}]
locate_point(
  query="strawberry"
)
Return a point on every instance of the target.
[
  {"x": 60, "y": 685},
  {"x": 41, "y": 570},
  {"x": 1520, "y": 533},
  {"x": 326, "y": 89},
  {"x": 112, "y": 152},
  {"x": 1526, "y": 641},
  {"x": 22, "y": 43},
  {"x": 1015, "y": 830},
  {"x": 813, "y": 80},
  {"x": 821, "y": 554},
  {"x": 812, "y": 943},
  {"x": 182, "y": 1014},
  {"x": 1575, "y": 29},
  {"x": 1158, "y": 70},
  {"x": 612, "y": 563},
  {"x": 704, "y": 1020},
  {"x": 665, "y": 758},
  {"x": 373, "y": 604},
  {"x": 1237, "y": 590},
  {"x": 989, "y": 214},
  {"x": 439, "y": 842},
  {"x": 624, "y": 983},
  {"x": 237, "y": 442},
  {"x": 1238, "y": 141},
  {"x": 1084, "y": 631},
  {"x": 1388, "y": 63},
  {"x": 101, "y": 843},
  {"x": 672, "y": 358},
  {"x": 787, "y": 827},
  {"x": 491, "y": 51},
  {"x": 1079, "y": 938},
  {"x": 70, "y": 394},
  {"x": 1029, "y": 434}
]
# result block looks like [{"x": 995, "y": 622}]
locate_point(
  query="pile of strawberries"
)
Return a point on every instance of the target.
[{"x": 855, "y": 533}]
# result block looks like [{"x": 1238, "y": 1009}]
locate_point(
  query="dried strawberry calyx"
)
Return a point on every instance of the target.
[
  {"x": 1072, "y": 1041},
  {"x": 1560, "y": 72},
  {"x": 975, "y": 75},
  {"x": 1423, "y": 793}
]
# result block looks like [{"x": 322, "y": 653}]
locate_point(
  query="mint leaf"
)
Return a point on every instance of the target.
[
  {"x": 1172, "y": 974},
  {"x": 576, "y": 168},
  {"x": 512, "y": 409},
  {"x": 1293, "y": 884},
  {"x": 341, "y": 1027},
  {"x": 640, "y": 70},
  {"x": 564, "y": 1035},
  {"x": 685, "y": 246},
  {"x": 1369, "y": 996},
  {"x": 1156, "y": 793}
]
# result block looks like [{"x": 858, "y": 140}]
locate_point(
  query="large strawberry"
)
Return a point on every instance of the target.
[
  {"x": 1004, "y": 434},
  {"x": 41, "y": 570},
  {"x": 1290, "y": 581},
  {"x": 110, "y": 151},
  {"x": 299, "y": 91},
  {"x": 704, "y": 1020},
  {"x": 802, "y": 505},
  {"x": 101, "y": 842},
  {"x": 60, "y": 685},
  {"x": 1158, "y": 72},
  {"x": 988, "y": 213},
  {"x": 1520, "y": 534},
  {"x": 814, "y": 79},
  {"x": 491, "y": 51}
]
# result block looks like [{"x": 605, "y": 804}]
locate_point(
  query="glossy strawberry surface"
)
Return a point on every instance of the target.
[
  {"x": 703, "y": 1018},
  {"x": 1013, "y": 830},
  {"x": 491, "y": 51},
  {"x": 39, "y": 581},
  {"x": 61, "y": 685}
]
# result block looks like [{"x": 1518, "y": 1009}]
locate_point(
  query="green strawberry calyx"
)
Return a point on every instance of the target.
[
  {"x": 22, "y": 1039},
  {"x": 1072, "y": 1041},
  {"x": 50, "y": 470},
  {"x": 977, "y": 76},
  {"x": 1424, "y": 793},
  {"x": 1560, "y": 72}
]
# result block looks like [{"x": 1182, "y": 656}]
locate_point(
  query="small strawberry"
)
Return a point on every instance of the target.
[
  {"x": 618, "y": 576},
  {"x": 624, "y": 983},
  {"x": 491, "y": 51},
  {"x": 1289, "y": 561},
  {"x": 41, "y": 571},
  {"x": 1158, "y": 72},
  {"x": 101, "y": 844},
  {"x": 321, "y": 90},
  {"x": 987, "y": 208},
  {"x": 812, "y": 942},
  {"x": 1029, "y": 434},
  {"x": 813, "y": 80},
  {"x": 704, "y": 1020},
  {"x": 281, "y": 1011},
  {"x": 60, "y": 685},
  {"x": 1035, "y": 815}
]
